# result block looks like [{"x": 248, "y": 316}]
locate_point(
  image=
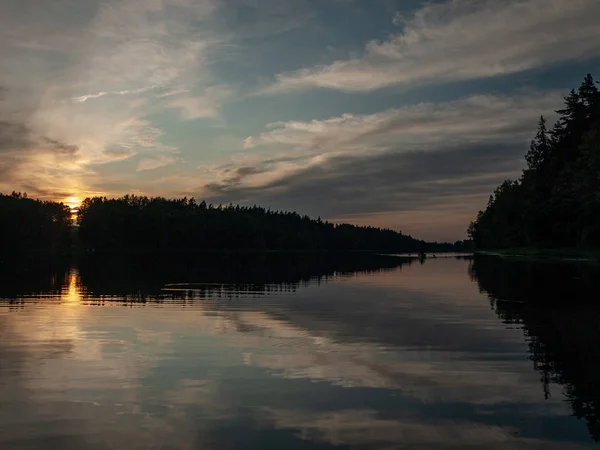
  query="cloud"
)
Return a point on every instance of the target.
[
  {"x": 171, "y": 92},
  {"x": 234, "y": 176},
  {"x": 155, "y": 163},
  {"x": 15, "y": 141},
  {"x": 14, "y": 136},
  {"x": 403, "y": 162},
  {"x": 118, "y": 153},
  {"x": 90, "y": 76},
  {"x": 388, "y": 180},
  {"x": 462, "y": 40},
  {"x": 481, "y": 120},
  {"x": 202, "y": 106},
  {"x": 19, "y": 145},
  {"x": 388, "y": 188},
  {"x": 83, "y": 98},
  {"x": 60, "y": 147},
  {"x": 477, "y": 117},
  {"x": 258, "y": 20}
]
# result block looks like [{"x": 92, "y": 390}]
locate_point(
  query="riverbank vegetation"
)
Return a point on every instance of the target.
[
  {"x": 142, "y": 224},
  {"x": 556, "y": 202},
  {"x": 158, "y": 224}
]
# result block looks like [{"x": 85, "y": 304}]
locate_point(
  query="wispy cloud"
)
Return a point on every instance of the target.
[
  {"x": 417, "y": 158},
  {"x": 453, "y": 180},
  {"x": 171, "y": 92},
  {"x": 27, "y": 158},
  {"x": 462, "y": 40},
  {"x": 479, "y": 117},
  {"x": 201, "y": 106},
  {"x": 155, "y": 163},
  {"x": 92, "y": 75},
  {"x": 83, "y": 98}
]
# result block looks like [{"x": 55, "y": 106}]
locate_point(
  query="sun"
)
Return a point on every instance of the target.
[{"x": 73, "y": 203}]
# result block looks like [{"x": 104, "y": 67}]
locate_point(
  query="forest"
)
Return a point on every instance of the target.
[
  {"x": 556, "y": 201},
  {"x": 136, "y": 223},
  {"x": 29, "y": 225},
  {"x": 158, "y": 224}
]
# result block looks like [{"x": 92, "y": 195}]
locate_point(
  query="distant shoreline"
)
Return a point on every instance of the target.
[{"x": 563, "y": 254}]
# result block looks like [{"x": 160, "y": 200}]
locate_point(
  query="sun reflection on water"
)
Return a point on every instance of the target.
[{"x": 72, "y": 292}]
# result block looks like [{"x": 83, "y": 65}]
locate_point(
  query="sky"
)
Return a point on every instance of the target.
[{"x": 395, "y": 113}]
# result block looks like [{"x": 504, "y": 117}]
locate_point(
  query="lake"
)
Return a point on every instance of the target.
[{"x": 299, "y": 352}]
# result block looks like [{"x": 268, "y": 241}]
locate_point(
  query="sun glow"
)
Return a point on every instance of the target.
[{"x": 73, "y": 203}]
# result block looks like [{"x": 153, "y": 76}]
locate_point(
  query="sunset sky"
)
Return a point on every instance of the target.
[{"x": 396, "y": 113}]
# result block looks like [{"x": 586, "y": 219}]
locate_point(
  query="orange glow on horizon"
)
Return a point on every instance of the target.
[{"x": 72, "y": 202}]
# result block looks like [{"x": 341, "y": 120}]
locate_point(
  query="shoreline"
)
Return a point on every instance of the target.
[{"x": 559, "y": 254}]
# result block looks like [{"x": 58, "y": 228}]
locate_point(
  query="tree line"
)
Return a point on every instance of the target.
[
  {"x": 141, "y": 223},
  {"x": 29, "y": 225},
  {"x": 138, "y": 223},
  {"x": 556, "y": 201}
]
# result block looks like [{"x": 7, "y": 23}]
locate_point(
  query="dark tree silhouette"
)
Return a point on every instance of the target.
[
  {"x": 28, "y": 225},
  {"x": 556, "y": 202},
  {"x": 135, "y": 223}
]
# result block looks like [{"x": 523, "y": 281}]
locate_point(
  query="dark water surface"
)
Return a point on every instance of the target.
[{"x": 299, "y": 352}]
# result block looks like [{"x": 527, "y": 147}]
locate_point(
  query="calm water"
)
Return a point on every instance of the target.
[{"x": 277, "y": 352}]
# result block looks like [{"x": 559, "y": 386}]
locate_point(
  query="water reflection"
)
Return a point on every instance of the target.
[
  {"x": 72, "y": 291},
  {"x": 556, "y": 305},
  {"x": 271, "y": 351},
  {"x": 29, "y": 277},
  {"x": 167, "y": 276}
]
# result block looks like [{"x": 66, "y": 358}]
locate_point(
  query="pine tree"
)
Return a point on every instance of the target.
[
  {"x": 588, "y": 93},
  {"x": 540, "y": 147},
  {"x": 557, "y": 200}
]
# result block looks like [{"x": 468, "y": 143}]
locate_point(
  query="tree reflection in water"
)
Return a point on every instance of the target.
[{"x": 556, "y": 304}]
